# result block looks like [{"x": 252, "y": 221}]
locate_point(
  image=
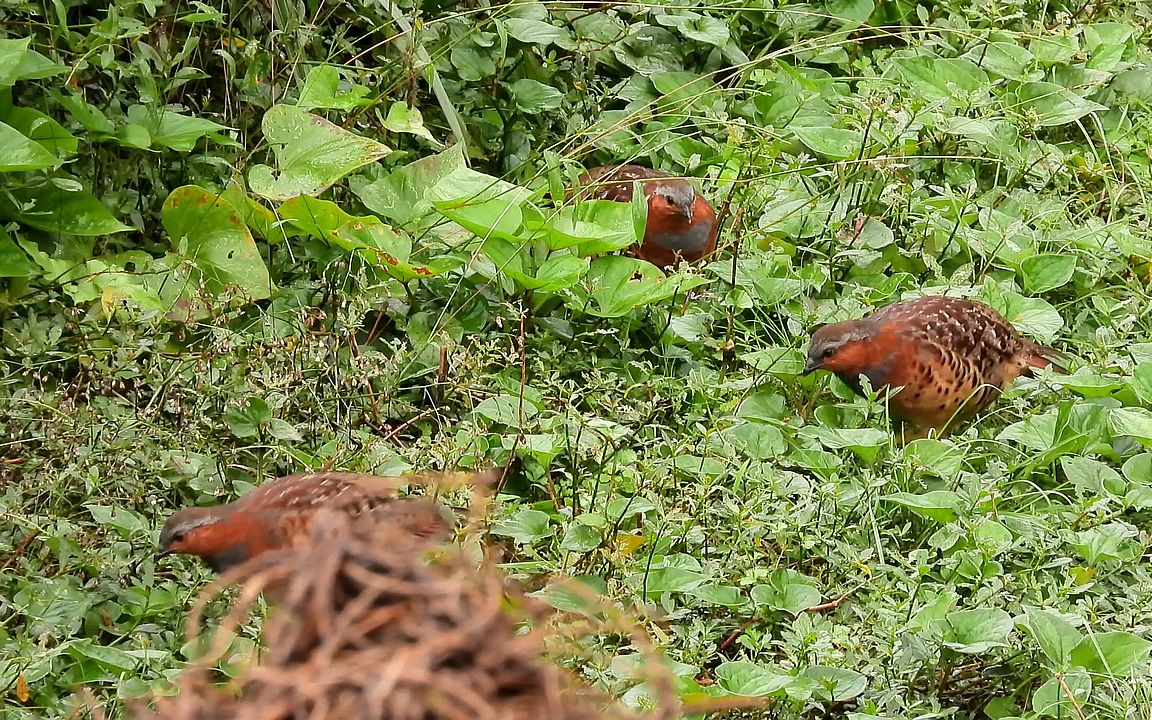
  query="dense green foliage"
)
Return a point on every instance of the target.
[{"x": 245, "y": 239}]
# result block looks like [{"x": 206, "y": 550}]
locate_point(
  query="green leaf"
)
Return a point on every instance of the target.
[
  {"x": 1133, "y": 422},
  {"x": 834, "y": 143},
  {"x": 535, "y": 97},
  {"x": 535, "y": 32},
  {"x": 403, "y": 196},
  {"x": 1112, "y": 541},
  {"x": 723, "y": 595},
  {"x": 525, "y": 526},
  {"x": 311, "y": 154},
  {"x": 37, "y": 126},
  {"x": 505, "y": 409},
  {"x": 404, "y": 119},
  {"x": 168, "y": 128},
  {"x": 937, "y": 79},
  {"x": 246, "y": 421},
  {"x": 1055, "y": 635},
  {"x": 22, "y": 153},
  {"x": 1043, "y": 273},
  {"x": 976, "y": 631},
  {"x": 14, "y": 262},
  {"x": 1112, "y": 654},
  {"x": 321, "y": 90},
  {"x": 745, "y": 678},
  {"x": 787, "y": 590},
  {"x": 943, "y": 506},
  {"x": 619, "y": 285},
  {"x": 11, "y": 55},
  {"x": 1053, "y": 104},
  {"x": 941, "y": 458},
  {"x": 60, "y": 207},
  {"x": 780, "y": 360},
  {"x": 1032, "y": 316},
  {"x": 1063, "y": 697},
  {"x": 833, "y": 684},
  {"x": 585, "y": 533},
  {"x": 207, "y": 230}
]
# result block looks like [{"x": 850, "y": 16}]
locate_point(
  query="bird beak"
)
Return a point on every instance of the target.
[
  {"x": 811, "y": 366},
  {"x": 160, "y": 555}
]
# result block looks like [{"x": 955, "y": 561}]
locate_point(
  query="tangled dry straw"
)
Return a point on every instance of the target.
[{"x": 370, "y": 624}]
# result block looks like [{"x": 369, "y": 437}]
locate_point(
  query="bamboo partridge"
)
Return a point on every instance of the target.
[
  {"x": 951, "y": 357},
  {"x": 681, "y": 223},
  {"x": 279, "y": 515}
]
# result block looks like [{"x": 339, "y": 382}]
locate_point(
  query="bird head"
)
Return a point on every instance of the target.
[
  {"x": 678, "y": 197},
  {"x": 220, "y": 539},
  {"x": 840, "y": 347}
]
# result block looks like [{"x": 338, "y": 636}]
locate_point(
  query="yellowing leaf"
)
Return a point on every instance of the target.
[{"x": 627, "y": 544}]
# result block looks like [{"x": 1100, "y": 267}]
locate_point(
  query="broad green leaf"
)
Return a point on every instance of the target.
[
  {"x": 741, "y": 677},
  {"x": 758, "y": 441},
  {"x": 505, "y": 409},
  {"x": 248, "y": 420},
  {"x": 1134, "y": 422},
  {"x": 311, "y": 154},
  {"x": 941, "y": 78},
  {"x": 943, "y": 506},
  {"x": 723, "y": 595},
  {"x": 1112, "y": 541},
  {"x": 834, "y": 143},
  {"x": 14, "y": 262},
  {"x": 486, "y": 206},
  {"x": 585, "y": 533},
  {"x": 787, "y": 590},
  {"x": 833, "y": 684},
  {"x": 322, "y": 90},
  {"x": 207, "y": 230},
  {"x": 37, "y": 126},
  {"x": 976, "y": 631},
  {"x": 1063, "y": 697},
  {"x": 535, "y": 32},
  {"x": 107, "y": 656},
  {"x": 60, "y": 208},
  {"x": 1112, "y": 654},
  {"x": 935, "y": 456},
  {"x": 850, "y": 13},
  {"x": 22, "y": 153},
  {"x": 403, "y": 195},
  {"x": 1043, "y": 273},
  {"x": 1053, "y": 104},
  {"x": 667, "y": 579},
  {"x": 11, "y": 55},
  {"x": 1008, "y": 60},
  {"x": 781, "y": 360},
  {"x": 1055, "y": 635},
  {"x": 1032, "y": 316},
  {"x": 168, "y": 128},
  {"x": 619, "y": 285},
  {"x": 404, "y": 119},
  {"x": 525, "y": 526},
  {"x": 533, "y": 97}
]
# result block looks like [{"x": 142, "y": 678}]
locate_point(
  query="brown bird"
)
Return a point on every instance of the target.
[
  {"x": 681, "y": 223},
  {"x": 951, "y": 357},
  {"x": 279, "y": 515}
]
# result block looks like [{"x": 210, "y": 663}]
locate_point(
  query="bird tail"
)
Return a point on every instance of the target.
[{"x": 1042, "y": 356}]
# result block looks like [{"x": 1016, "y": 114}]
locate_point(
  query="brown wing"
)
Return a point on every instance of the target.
[
  {"x": 969, "y": 329},
  {"x": 615, "y": 182},
  {"x": 298, "y": 492}
]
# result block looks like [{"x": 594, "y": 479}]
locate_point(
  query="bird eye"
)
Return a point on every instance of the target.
[
  {"x": 178, "y": 536},
  {"x": 828, "y": 352}
]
